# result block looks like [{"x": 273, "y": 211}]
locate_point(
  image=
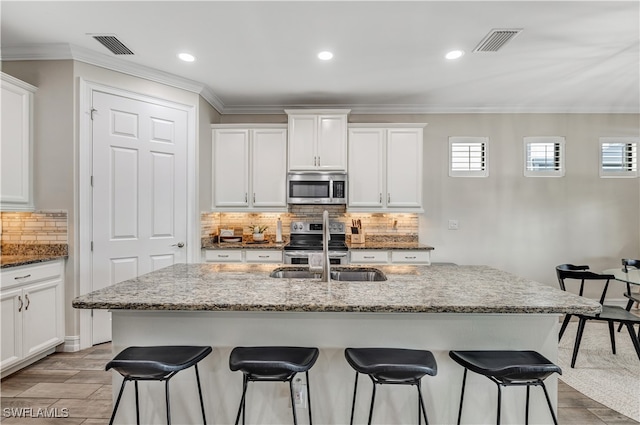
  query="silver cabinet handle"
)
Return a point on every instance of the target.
[
  {"x": 409, "y": 258},
  {"x": 388, "y": 198},
  {"x": 222, "y": 256},
  {"x": 22, "y": 277},
  {"x": 318, "y": 161},
  {"x": 20, "y": 299},
  {"x": 369, "y": 256},
  {"x": 315, "y": 161},
  {"x": 380, "y": 197},
  {"x": 263, "y": 256},
  {"x": 246, "y": 197},
  {"x": 26, "y": 297},
  {"x": 179, "y": 244},
  {"x": 254, "y": 197}
]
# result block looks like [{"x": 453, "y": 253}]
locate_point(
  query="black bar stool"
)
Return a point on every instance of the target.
[
  {"x": 158, "y": 363},
  {"x": 507, "y": 368},
  {"x": 396, "y": 366},
  {"x": 272, "y": 364}
]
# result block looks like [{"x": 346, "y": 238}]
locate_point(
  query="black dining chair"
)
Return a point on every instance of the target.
[
  {"x": 609, "y": 314},
  {"x": 633, "y": 297}
]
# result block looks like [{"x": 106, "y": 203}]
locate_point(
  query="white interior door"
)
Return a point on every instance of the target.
[{"x": 139, "y": 192}]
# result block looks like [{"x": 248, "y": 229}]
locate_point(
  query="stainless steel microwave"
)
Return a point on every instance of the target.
[{"x": 317, "y": 188}]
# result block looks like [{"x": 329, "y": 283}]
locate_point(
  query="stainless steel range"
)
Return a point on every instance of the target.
[{"x": 306, "y": 238}]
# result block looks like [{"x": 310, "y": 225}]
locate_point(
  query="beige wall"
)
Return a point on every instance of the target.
[{"x": 208, "y": 116}]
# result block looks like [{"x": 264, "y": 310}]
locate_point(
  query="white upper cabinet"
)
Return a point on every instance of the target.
[
  {"x": 318, "y": 139},
  {"x": 249, "y": 167},
  {"x": 16, "y": 193},
  {"x": 366, "y": 167},
  {"x": 385, "y": 167}
]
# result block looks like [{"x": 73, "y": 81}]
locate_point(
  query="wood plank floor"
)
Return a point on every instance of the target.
[{"x": 78, "y": 383}]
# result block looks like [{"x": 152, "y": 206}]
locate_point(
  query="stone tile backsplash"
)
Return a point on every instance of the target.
[
  {"x": 34, "y": 228},
  {"x": 377, "y": 224}
]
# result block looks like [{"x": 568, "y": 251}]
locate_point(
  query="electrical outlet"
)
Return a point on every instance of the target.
[
  {"x": 300, "y": 393},
  {"x": 453, "y": 224}
]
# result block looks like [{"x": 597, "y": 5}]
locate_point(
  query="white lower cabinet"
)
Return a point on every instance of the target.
[
  {"x": 401, "y": 256},
  {"x": 263, "y": 256},
  {"x": 223, "y": 255},
  {"x": 374, "y": 256},
  {"x": 410, "y": 257},
  {"x": 243, "y": 255},
  {"x": 32, "y": 309}
]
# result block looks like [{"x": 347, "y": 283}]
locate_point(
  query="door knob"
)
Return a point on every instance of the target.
[{"x": 179, "y": 244}]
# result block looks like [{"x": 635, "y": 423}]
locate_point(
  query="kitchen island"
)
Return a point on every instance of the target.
[{"x": 437, "y": 308}]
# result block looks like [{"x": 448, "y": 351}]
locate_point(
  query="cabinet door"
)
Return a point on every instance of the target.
[
  {"x": 230, "y": 168},
  {"x": 404, "y": 168},
  {"x": 43, "y": 316},
  {"x": 366, "y": 167},
  {"x": 15, "y": 192},
  {"x": 11, "y": 306},
  {"x": 269, "y": 168},
  {"x": 332, "y": 142},
  {"x": 303, "y": 135}
]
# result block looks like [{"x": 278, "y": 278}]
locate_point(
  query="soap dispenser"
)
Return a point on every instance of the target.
[{"x": 279, "y": 231}]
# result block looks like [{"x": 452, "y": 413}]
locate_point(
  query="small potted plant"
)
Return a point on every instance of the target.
[{"x": 258, "y": 232}]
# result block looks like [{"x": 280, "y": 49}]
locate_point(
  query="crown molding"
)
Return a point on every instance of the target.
[
  {"x": 63, "y": 51},
  {"x": 430, "y": 109}
]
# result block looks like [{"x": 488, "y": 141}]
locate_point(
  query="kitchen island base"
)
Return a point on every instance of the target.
[{"x": 331, "y": 377}]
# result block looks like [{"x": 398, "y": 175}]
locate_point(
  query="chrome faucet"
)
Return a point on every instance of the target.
[{"x": 326, "y": 237}]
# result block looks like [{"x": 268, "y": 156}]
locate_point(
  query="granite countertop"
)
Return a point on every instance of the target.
[
  {"x": 8, "y": 261},
  {"x": 409, "y": 289},
  {"x": 391, "y": 245},
  {"x": 243, "y": 245}
]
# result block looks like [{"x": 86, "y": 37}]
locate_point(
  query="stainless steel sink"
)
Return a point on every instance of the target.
[{"x": 355, "y": 274}]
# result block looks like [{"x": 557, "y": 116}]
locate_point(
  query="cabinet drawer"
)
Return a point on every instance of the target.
[
  {"x": 263, "y": 256},
  {"x": 421, "y": 257},
  {"x": 373, "y": 256},
  {"x": 31, "y": 273},
  {"x": 224, "y": 256}
]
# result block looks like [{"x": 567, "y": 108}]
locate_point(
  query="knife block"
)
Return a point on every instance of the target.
[{"x": 357, "y": 238}]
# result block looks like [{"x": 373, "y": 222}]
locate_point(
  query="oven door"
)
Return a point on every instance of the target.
[{"x": 302, "y": 257}]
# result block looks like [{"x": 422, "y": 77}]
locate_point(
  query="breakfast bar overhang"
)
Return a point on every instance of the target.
[{"x": 437, "y": 308}]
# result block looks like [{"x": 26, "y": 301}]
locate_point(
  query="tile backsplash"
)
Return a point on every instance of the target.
[
  {"x": 403, "y": 225},
  {"x": 34, "y": 228}
]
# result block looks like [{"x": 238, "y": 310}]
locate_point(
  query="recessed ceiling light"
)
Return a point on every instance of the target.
[
  {"x": 186, "y": 57},
  {"x": 454, "y": 54},
  {"x": 325, "y": 56}
]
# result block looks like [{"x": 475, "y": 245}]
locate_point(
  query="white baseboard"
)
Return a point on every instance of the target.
[{"x": 71, "y": 344}]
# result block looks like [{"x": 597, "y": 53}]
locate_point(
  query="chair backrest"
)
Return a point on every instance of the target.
[
  {"x": 629, "y": 263},
  {"x": 581, "y": 273}
]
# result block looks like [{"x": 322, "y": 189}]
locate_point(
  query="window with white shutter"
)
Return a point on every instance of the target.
[
  {"x": 619, "y": 157},
  {"x": 544, "y": 156},
  {"x": 468, "y": 156}
]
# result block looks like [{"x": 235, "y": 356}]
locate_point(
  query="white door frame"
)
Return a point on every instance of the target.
[{"x": 84, "y": 204}]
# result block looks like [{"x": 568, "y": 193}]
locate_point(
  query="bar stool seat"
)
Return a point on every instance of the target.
[
  {"x": 507, "y": 368},
  {"x": 391, "y": 366},
  {"x": 274, "y": 363},
  {"x": 156, "y": 363}
]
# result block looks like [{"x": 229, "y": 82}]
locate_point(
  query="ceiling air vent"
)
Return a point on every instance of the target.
[
  {"x": 496, "y": 39},
  {"x": 113, "y": 44}
]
